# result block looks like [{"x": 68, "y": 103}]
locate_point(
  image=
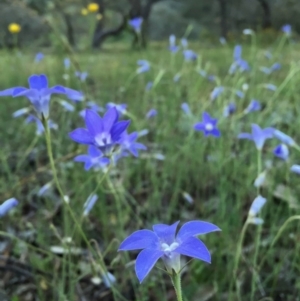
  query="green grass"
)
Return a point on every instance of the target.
[{"x": 217, "y": 173}]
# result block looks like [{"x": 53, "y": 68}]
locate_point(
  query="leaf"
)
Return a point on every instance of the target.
[{"x": 286, "y": 194}]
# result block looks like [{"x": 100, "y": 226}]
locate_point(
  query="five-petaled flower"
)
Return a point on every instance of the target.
[
  {"x": 163, "y": 243},
  {"x": 39, "y": 94},
  {"x": 128, "y": 143},
  {"x": 258, "y": 135},
  {"x": 208, "y": 126},
  {"x": 104, "y": 133}
]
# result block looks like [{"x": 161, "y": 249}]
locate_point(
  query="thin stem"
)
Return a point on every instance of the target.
[{"x": 176, "y": 280}]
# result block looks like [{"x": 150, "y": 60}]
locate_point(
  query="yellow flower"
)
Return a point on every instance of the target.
[
  {"x": 99, "y": 17},
  {"x": 84, "y": 11},
  {"x": 93, "y": 7},
  {"x": 14, "y": 28}
]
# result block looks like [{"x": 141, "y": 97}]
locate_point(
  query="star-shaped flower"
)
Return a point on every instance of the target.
[
  {"x": 258, "y": 135},
  {"x": 163, "y": 243},
  {"x": 208, "y": 126}
]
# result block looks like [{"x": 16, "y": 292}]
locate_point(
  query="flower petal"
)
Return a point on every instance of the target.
[
  {"x": 193, "y": 247},
  {"x": 145, "y": 262},
  {"x": 7, "y": 205},
  {"x": 94, "y": 152},
  {"x": 245, "y": 136},
  {"x": 81, "y": 136},
  {"x": 140, "y": 239},
  {"x": 194, "y": 228},
  {"x": 200, "y": 126},
  {"x": 12, "y": 91},
  {"x": 118, "y": 128},
  {"x": 257, "y": 204},
  {"x": 93, "y": 122},
  {"x": 295, "y": 168},
  {"x": 110, "y": 118},
  {"x": 166, "y": 233},
  {"x": 38, "y": 82}
]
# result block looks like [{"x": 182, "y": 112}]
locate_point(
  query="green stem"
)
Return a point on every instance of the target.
[{"x": 176, "y": 280}]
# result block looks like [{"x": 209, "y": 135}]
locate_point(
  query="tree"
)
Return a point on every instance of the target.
[
  {"x": 267, "y": 23},
  {"x": 223, "y": 15}
]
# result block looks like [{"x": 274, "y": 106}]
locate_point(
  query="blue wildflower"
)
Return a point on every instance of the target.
[
  {"x": 121, "y": 108},
  {"x": 151, "y": 113},
  {"x": 93, "y": 159},
  {"x": 38, "y": 57},
  {"x": 104, "y": 133},
  {"x": 67, "y": 106},
  {"x": 258, "y": 135},
  {"x": 240, "y": 94},
  {"x": 81, "y": 75},
  {"x": 229, "y": 109},
  {"x": 255, "y": 208},
  {"x": 186, "y": 108},
  {"x": 163, "y": 243},
  {"x": 39, "y": 125},
  {"x": 67, "y": 63},
  {"x": 89, "y": 204},
  {"x": 172, "y": 41},
  {"x": 281, "y": 151},
  {"x": 253, "y": 106},
  {"x": 275, "y": 67},
  {"x": 136, "y": 24},
  {"x": 93, "y": 106},
  {"x": 128, "y": 143},
  {"x": 237, "y": 52},
  {"x": 284, "y": 138},
  {"x": 184, "y": 43},
  {"x": 208, "y": 126},
  {"x": 21, "y": 112},
  {"x": 144, "y": 66},
  {"x": 8, "y": 205},
  {"x": 287, "y": 29},
  {"x": 223, "y": 41},
  {"x": 296, "y": 169},
  {"x": 216, "y": 92},
  {"x": 44, "y": 189},
  {"x": 149, "y": 86},
  {"x": 189, "y": 55},
  {"x": 39, "y": 94}
]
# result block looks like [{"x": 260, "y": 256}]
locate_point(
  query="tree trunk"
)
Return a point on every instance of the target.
[
  {"x": 223, "y": 15},
  {"x": 267, "y": 23}
]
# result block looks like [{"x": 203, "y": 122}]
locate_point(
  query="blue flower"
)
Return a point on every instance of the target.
[
  {"x": 163, "y": 243},
  {"x": 39, "y": 125},
  {"x": 121, "y": 108},
  {"x": 104, "y": 133},
  {"x": 172, "y": 41},
  {"x": 287, "y": 29},
  {"x": 284, "y": 138},
  {"x": 151, "y": 113},
  {"x": 186, "y": 108},
  {"x": 275, "y": 67},
  {"x": 258, "y": 135},
  {"x": 216, "y": 92},
  {"x": 8, "y": 205},
  {"x": 21, "y": 112},
  {"x": 89, "y": 204},
  {"x": 208, "y": 126},
  {"x": 149, "y": 86},
  {"x": 238, "y": 62},
  {"x": 229, "y": 109},
  {"x": 255, "y": 208},
  {"x": 38, "y": 57},
  {"x": 270, "y": 87},
  {"x": 67, "y": 63},
  {"x": 240, "y": 94},
  {"x": 144, "y": 66},
  {"x": 253, "y": 106},
  {"x": 296, "y": 169},
  {"x": 281, "y": 151},
  {"x": 93, "y": 159},
  {"x": 129, "y": 144},
  {"x": 136, "y": 24},
  {"x": 237, "y": 52},
  {"x": 67, "y": 106},
  {"x": 184, "y": 43},
  {"x": 189, "y": 55},
  {"x": 81, "y": 75},
  {"x": 39, "y": 94}
]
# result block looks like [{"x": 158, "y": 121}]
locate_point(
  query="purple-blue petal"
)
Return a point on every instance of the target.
[
  {"x": 94, "y": 152},
  {"x": 140, "y": 239},
  {"x": 93, "y": 122},
  {"x": 145, "y": 262},
  {"x": 8, "y": 205},
  {"x": 118, "y": 129},
  {"x": 166, "y": 233},
  {"x": 193, "y": 228},
  {"x": 12, "y": 91},
  {"x": 194, "y": 248},
  {"x": 245, "y": 136},
  {"x": 200, "y": 126},
  {"x": 81, "y": 136},
  {"x": 38, "y": 82},
  {"x": 110, "y": 118}
]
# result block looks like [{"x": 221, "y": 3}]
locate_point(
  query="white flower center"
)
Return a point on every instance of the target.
[
  {"x": 169, "y": 248},
  {"x": 209, "y": 127},
  {"x": 103, "y": 139}
]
